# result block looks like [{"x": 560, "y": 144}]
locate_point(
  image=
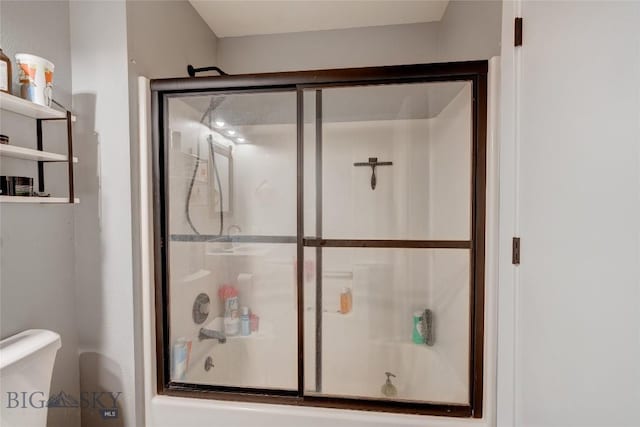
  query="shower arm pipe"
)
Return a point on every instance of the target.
[{"x": 192, "y": 71}]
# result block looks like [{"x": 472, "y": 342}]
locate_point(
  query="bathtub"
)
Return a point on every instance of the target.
[
  {"x": 243, "y": 361},
  {"x": 263, "y": 360}
]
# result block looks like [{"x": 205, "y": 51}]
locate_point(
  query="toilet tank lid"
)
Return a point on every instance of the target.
[{"x": 19, "y": 346}]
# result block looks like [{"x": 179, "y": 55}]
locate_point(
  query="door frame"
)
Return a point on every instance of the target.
[{"x": 508, "y": 227}]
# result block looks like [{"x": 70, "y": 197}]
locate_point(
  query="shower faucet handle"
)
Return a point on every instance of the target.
[{"x": 389, "y": 375}]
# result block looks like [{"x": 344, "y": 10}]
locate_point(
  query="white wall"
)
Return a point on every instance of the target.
[
  {"x": 164, "y": 36},
  {"x": 468, "y": 30},
  {"x": 328, "y": 49},
  {"x": 113, "y": 42},
  {"x": 37, "y": 241},
  {"x": 572, "y": 106},
  {"x": 104, "y": 276}
]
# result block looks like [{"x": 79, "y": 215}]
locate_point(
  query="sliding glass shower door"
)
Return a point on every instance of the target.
[
  {"x": 232, "y": 240},
  {"x": 388, "y": 202},
  {"x": 319, "y": 237}
]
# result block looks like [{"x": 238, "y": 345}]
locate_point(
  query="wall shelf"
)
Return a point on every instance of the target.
[
  {"x": 23, "y": 199},
  {"x": 30, "y": 109},
  {"x": 40, "y": 113},
  {"x": 31, "y": 154}
]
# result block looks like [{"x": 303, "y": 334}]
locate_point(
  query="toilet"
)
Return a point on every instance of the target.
[{"x": 26, "y": 366}]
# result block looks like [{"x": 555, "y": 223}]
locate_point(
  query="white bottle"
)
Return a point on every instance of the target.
[{"x": 231, "y": 326}]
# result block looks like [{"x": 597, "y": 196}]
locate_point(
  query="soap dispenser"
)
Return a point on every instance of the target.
[{"x": 388, "y": 389}]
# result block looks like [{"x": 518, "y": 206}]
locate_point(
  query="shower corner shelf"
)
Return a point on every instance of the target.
[
  {"x": 262, "y": 334},
  {"x": 253, "y": 335},
  {"x": 193, "y": 277},
  {"x": 337, "y": 313},
  {"x": 40, "y": 113},
  {"x": 243, "y": 250}
]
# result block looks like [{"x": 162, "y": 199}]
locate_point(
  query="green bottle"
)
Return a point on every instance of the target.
[{"x": 418, "y": 334}]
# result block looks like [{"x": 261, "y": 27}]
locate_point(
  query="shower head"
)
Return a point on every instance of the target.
[{"x": 214, "y": 103}]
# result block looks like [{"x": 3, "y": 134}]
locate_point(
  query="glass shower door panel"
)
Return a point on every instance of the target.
[
  {"x": 232, "y": 249},
  {"x": 397, "y": 161},
  {"x": 396, "y": 314},
  {"x": 389, "y": 163}
]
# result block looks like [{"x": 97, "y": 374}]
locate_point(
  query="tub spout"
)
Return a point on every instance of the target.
[{"x": 211, "y": 334}]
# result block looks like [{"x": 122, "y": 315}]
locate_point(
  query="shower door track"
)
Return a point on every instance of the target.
[{"x": 299, "y": 82}]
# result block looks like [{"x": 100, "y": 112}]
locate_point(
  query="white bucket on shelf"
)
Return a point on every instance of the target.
[{"x": 35, "y": 75}]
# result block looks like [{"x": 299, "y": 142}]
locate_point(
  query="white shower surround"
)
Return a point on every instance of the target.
[{"x": 170, "y": 411}]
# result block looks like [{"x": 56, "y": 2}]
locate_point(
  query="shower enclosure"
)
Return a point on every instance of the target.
[{"x": 319, "y": 237}]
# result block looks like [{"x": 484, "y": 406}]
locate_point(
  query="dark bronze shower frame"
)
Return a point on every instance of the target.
[{"x": 472, "y": 71}]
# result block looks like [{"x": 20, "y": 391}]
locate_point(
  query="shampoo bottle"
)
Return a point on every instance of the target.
[
  {"x": 346, "y": 301},
  {"x": 179, "y": 359},
  {"x": 245, "y": 325}
]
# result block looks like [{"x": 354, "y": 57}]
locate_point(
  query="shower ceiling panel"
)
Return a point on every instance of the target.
[{"x": 400, "y": 102}]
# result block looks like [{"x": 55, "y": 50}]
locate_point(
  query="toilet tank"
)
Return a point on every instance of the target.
[{"x": 26, "y": 366}]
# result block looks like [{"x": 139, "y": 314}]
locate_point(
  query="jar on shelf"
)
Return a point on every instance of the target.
[{"x": 5, "y": 73}]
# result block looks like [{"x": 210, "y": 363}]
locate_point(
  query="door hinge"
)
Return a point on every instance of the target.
[
  {"x": 515, "y": 254},
  {"x": 517, "y": 32}
]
